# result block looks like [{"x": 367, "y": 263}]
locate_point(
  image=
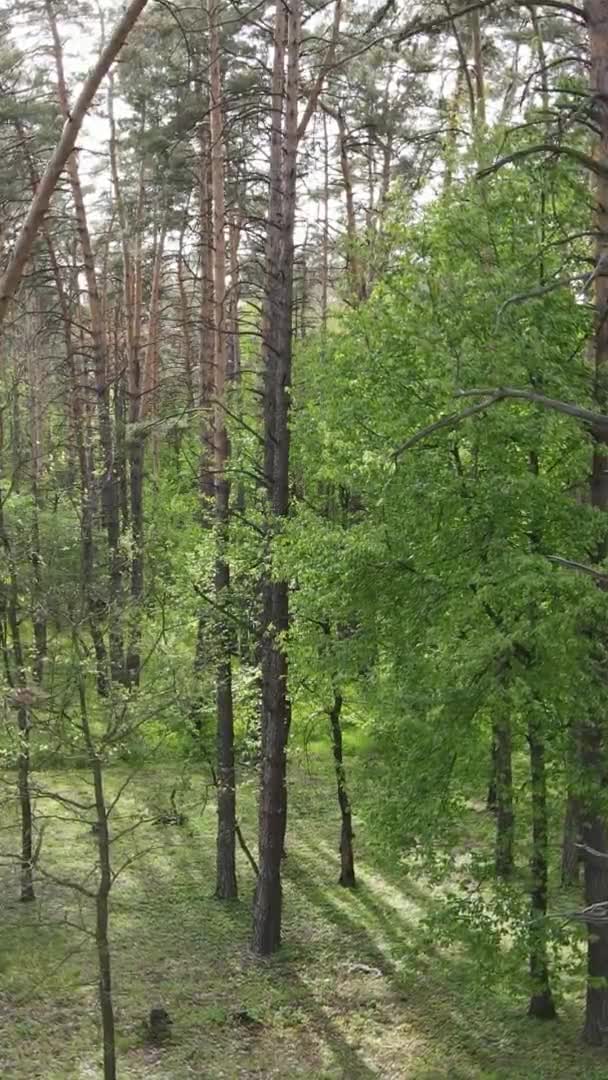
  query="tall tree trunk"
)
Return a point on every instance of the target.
[
  {"x": 480, "y": 91},
  {"x": 226, "y": 885},
  {"x": 277, "y": 343},
  {"x": 595, "y": 836},
  {"x": 347, "y": 858},
  {"x": 104, "y": 885},
  {"x": 25, "y": 804},
  {"x": 354, "y": 265},
  {"x": 233, "y": 369},
  {"x": 185, "y": 316},
  {"x": 207, "y": 316},
  {"x": 17, "y": 676},
  {"x": 92, "y": 605},
  {"x": 325, "y": 241},
  {"x": 110, "y": 480},
  {"x": 570, "y": 857},
  {"x": 504, "y": 798},
  {"x": 593, "y": 742},
  {"x": 541, "y": 1001},
  {"x": 206, "y": 379},
  {"x": 39, "y": 624},
  {"x": 491, "y": 795}
]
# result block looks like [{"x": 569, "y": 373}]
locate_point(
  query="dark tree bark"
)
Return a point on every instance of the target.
[
  {"x": 102, "y": 895},
  {"x": 595, "y": 835},
  {"x": 16, "y": 673},
  {"x": 185, "y": 314},
  {"x": 347, "y": 857},
  {"x": 207, "y": 337},
  {"x": 355, "y": 271},
  {"x": 130, "y": 452},
  {"x": 92, "y": 605},
  {"x": 39, "y": 623},
  {"x": 325, "y": 241},
  {"x": 101, "y": 928},
  {"x": 110, "y": 482},
  {"x": 593, "y": 747},
  {"x": 570, "y": 858},
  {"x": 504, "y": 798},
  {"x": 277, "y": 341},
  {"x": 541, "y": 1005},
  {"x": 491, "y": 799},
  {"x": 226, "y": 883},
  {"x": 25, "y": 804}
]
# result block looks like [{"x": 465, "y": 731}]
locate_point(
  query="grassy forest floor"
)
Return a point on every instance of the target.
[{"x": 350, "y": 996}]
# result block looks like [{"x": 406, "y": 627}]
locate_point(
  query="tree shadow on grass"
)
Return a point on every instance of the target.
[
  {"x": 173, "y": 942},
  {"x": 471, "y": 1030},
  {"x": 216, "y": 935}
]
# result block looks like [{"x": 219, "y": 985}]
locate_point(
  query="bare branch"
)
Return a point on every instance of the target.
[
  {"x": 571, "y": 564},
  {"x": 419, "y": 25},
  {"x": 326, "y": 65},
  {"x": 592, "y": 852},
  {"x": 11, "y": 279},
  {"x": 539, "y": 291},
  {"x": 451, "y": 421},
  {"x": 594, "y": 166},
  {"x": 599, "y": 421}
]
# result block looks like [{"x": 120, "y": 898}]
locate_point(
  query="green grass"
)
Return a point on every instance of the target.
[{"x": 354, "y": 993}]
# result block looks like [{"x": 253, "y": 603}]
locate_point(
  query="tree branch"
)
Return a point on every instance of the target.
[
  {"x": 327, "y": 63},
  {"x": 419, "y": 25},
  {"x": 491, "y": 395},
  {"x": 595, "y": 420},
  {"x": 11, "y": 278},
  {"x": 450, "y": 421},
  {"x": 571, "y": 564},
  {"x": 547, "y": 148}
]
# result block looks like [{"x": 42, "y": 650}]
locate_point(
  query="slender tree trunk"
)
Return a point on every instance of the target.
[
  {"x": 504, "y": 798},
  {"x": 92, "y": 605},
  {"x": 102, "y": 897},
  {"x": 150, "y": 402},
  {"x": 25, "y": 802},
  {"x": 110, "y": 480},
  {"x": 325, "y": 242},
  {"x": 39, "y": 625},
  {"x": 120, "y": 427},
  {"x": 206, "y": 379},
  {"x": 450, "y": 150},
  {"x": 347, "y": 858},
  {"x": 233, "y": 370},
  {"x": 595, "y": 835},
  {"x": 354, "y": 264},
  {"x": 277, "y": 342},
  {"x": 593, "y": 748},
  {"x": 480, "y": 91},
  {"x": 541, "y": 1004},
  {"x": 226, "y": 884},
  {"x": 18, "y": 680},
  {"x": 207, "y": 316},
  {"x": 571, "y": 859},
  {"x": 185, "y": 316},
  {"x": 491, "y": 803}
]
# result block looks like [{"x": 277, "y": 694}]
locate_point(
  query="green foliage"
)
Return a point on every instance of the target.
[{"x": 423, "y": 585}]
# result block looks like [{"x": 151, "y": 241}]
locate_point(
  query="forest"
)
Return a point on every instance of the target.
[{"x": 304, "y": 539}]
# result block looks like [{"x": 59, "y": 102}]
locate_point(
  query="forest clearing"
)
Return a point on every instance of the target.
[
  {"x": 304, "y": 539},
  {"x": 359, "y": 991}
]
